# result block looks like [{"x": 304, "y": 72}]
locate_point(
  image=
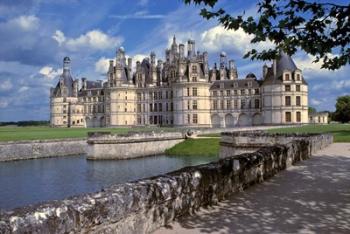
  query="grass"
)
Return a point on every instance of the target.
[
  {"x": 42, "y": 133},
  {"x": 195, "y": 147},
  {"x": 341, "y": 132}
]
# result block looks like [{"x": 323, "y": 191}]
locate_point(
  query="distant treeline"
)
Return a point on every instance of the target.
[{"x": 26, "y": 123}]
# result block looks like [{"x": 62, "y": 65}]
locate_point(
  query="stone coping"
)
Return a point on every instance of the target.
[{"x": 43, "y": 141}]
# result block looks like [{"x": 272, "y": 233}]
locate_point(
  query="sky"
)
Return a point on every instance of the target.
[{"x": 35, "y": 36}]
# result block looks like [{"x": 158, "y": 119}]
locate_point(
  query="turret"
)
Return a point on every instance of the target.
[
  {"x": 66, "y": 64},
  {"x": 222, "y": 60},
  {"x": 174, "y": 46}
]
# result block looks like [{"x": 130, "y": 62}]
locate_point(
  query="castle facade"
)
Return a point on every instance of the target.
[{"x": 181, "y": 91}]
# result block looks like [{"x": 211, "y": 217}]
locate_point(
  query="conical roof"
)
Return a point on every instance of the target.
[{"x": 285, "y": 62}]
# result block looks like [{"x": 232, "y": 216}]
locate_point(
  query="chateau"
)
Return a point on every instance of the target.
[{"x": 181, "y": 91}]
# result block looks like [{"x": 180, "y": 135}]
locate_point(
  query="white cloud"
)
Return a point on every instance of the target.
[
  {"x": 59, "y": 37},
  {"x": 3, "y": 103},
  {"x": 25, "y": 22},
  {"x": 218, "y": 38},
  {"x": 23, "y": 89},
  {"x": 50, "y": 73},
  {"x": 138, "y": 15},
  {"x": 6, "y": 85},
  {"x": 101, "y": 66},
  {"x": 94, "y": 39},
  {"x": 315, "y": 102}
]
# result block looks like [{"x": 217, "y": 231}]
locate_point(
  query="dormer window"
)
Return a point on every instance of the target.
[
  {"x": 298, "y": 76},
  {"x": 287, "y": 77},
  {"x": 194, "y": 69},
  {"x": 249, "y": 84},
  {"x": 235, "y": 85}
]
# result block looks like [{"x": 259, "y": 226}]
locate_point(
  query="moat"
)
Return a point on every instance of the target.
[{"x": 33, "y": 181}]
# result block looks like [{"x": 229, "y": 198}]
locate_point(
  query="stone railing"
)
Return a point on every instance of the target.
[
  {"x": 115, "y": 146},
  {"x": 235, "y": 143},
  {"x": 19, "y": 150},
  {"x": 145, "y": 205}
]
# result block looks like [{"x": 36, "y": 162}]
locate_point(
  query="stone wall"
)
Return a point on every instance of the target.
[
  {"x": 18, "y": 150},
  {"x": 235, "y": 143},
  {"x": 113, "y": 146},
  {"x": 145, "y": 205}
]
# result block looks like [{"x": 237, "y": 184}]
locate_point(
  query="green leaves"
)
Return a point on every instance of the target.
[{"x": 319, "y": 29}]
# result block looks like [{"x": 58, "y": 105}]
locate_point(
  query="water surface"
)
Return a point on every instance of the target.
[{"x": 33, "y": 181}]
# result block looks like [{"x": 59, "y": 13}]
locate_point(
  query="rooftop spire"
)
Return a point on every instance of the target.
[{"x": 66, "y": 63}]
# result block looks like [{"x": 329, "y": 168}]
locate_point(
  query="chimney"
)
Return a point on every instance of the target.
[
  {"x": 84, "y": 83},
  {"x": 264, "y": 71},
  {"x": 182, "y": 50},
  {"x": 130, "y": 64}
]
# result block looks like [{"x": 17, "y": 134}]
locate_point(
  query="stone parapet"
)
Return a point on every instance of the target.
[
  {"x": 114, "y": 146},
  {"x": 19, "y": 150},
  {"x": 234, "y": 143},
  {"x": 145, "y": 205}
]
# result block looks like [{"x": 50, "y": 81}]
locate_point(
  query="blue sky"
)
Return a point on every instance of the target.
[{"x": 35, "y": 35}]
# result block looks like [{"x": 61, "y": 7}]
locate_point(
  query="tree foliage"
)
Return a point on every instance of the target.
[
  {"x": 342, "y": 112},
  {"x": 320, "y": 29},
  {"x": 312, "y": 110}
]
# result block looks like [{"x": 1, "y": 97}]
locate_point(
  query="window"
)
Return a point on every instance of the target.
[
  {"x": 242, "y": 104},
  {"x": 242, "y": 91},
  {"x": 287, "y": 101},
  {"x": 194, "y": 105},
  {"x": 298, "y": 76},
  {"x": 160, "y": 95},
  {"x": 188, "y": 92},
  {"x": 235, "y": 92},
  {"x": 249, "y": 84},
  {"x": 235, "y": 103},
  {"x": 194, "y": 92},
  {"x": 138, "y": 107},
  {"x": 256, "y": 91},
  {"x": 257, "y": 103},
  {"x": 126, "y": 109},
  {"x": 194, "y": 69},
  {"x": 150, "y": 107},
  {"x": 298, "y": 116},
  {"x": 287, "y": 88},
  {"x": 297, "y": 88},
  {"x": 215, "y": 105},
  {"x": 229, "y": 104},
  {"x": 160, "y": 107},
  {"x": 288, "y": 117},
  {"x": 228, "y": 92},
  {"x": 222, "y": 106},
  {"x": 297, "y": 101},
  {"x": 287, "y": 77},
  {"x": 221, "y": 93},
  {"x": 194, "y": 78},
  {"x": 195, "y": 118},
  {"x": 188, "y": 118},
  {"x": 215, "y": 93}
]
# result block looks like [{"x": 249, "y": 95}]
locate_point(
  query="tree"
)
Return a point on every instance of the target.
[
  {"x": 312, "y": 110},
  {"x": 342, "y": 112},
  {"x": 319, "y": 29}
]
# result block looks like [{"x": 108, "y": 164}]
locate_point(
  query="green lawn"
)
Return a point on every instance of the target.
[
  {"x": 341, "y": 132},
  {"x": 40, "y": 133},
  {"x": 193, "y": 147}
]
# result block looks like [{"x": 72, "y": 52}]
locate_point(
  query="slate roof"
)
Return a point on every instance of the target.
[{"x": 229, "y": 84}]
